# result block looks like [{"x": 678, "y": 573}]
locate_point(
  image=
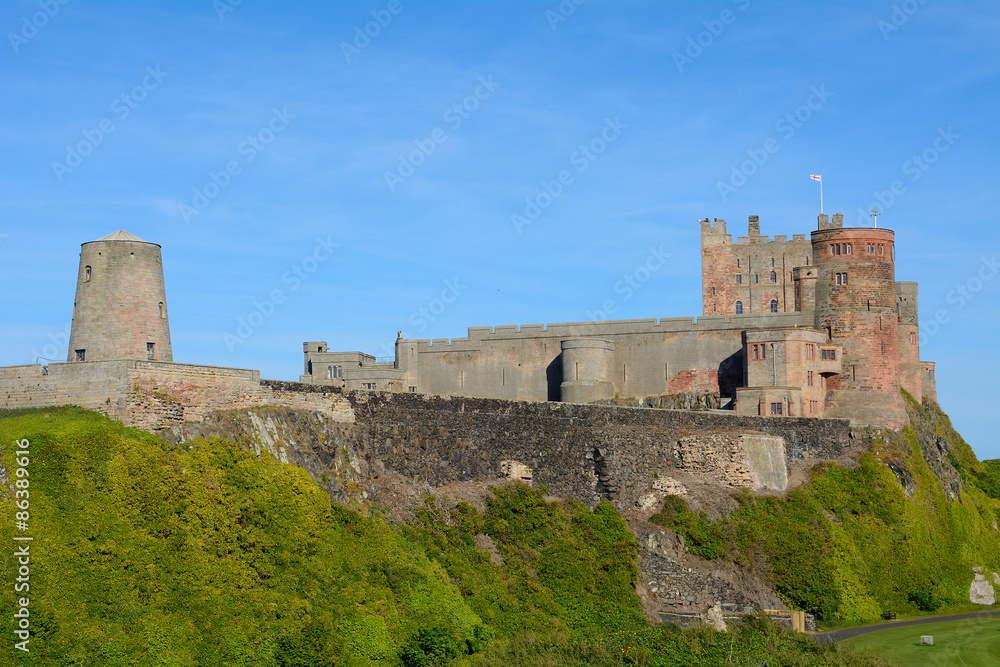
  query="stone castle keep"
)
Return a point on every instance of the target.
[{"x": 789, "y": 328}]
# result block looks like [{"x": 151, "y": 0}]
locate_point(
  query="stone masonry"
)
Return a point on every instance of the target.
[{"x": 833, "y": 294}]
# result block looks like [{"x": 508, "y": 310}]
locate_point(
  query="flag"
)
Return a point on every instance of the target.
[{"x": 816, "y": 178}]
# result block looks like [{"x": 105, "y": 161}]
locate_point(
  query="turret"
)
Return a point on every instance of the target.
[
  {"x": 856, "y": 305},
  {"x": 120, "y": 311}
]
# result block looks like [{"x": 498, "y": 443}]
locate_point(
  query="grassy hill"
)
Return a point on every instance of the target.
[
  {"x": 901, "y": 531},
  {"x": 148, "y": 554}
]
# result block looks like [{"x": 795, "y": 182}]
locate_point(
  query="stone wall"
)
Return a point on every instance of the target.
[
  {"x": 153, "y": 395},
  {"x": 586, "y": 452},
  {"x": 756, "y": 260},
  {"x": 648, "y": 357}
]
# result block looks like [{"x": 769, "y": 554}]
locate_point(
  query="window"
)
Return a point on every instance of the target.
[
  {"x": 81, "y": 355},
  {"x": 772, "y": 264},
  {"x": 737, "y": 263},
  {"x": 810, "y": 351},
  {"x": 150, "y": 347},
  {"x": 829, "y": 355},
  {"x": 775, "y": 408},
  {"x": 841, "y": 278},
  {"x": 913, "y": 338},
  {"x": 760, "y": 351},
  {"x": 739, "y": 278},
  {"x": 774, "y": 277},
  {"x": 370, "y": 386},
  {"x": 163, "y": 310},
  {"x": 881, "y": 249},
  {"x": 713, "y": 291},
  {"x": 847, "y": 248},
  {"x": 756, "y": 352},
  {"x": 809, "y": 378},
  {"x": 833, "y": 249},
  {"x": 329, "y": 372},
  {"x": 829, "y": 333},
  {"x": 756, "y": 277},
  {"x": 412, "y": 389},
  {"x": 739, "y": 307},
  {"x": 86, "y": 274},
  {"x": 871, "y": 249},
  {"x": 774, "y": 306}
]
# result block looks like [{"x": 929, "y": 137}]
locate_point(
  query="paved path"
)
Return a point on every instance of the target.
[{"x": 847, "y": 633}]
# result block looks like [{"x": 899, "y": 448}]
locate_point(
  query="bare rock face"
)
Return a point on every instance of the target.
[
  {"x": 714, "y": 617},
  {"x": 515, "y": 470},
  {"x": 981, "y": 591}
]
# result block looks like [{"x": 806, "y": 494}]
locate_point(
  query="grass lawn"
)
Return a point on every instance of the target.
[{"x": 971, "y": 643}]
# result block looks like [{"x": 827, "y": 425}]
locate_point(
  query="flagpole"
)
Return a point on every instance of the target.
[{"x": 821, "y": 194}]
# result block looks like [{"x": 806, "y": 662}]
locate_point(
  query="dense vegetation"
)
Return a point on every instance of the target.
[
  {"x": 146, "y": 554},
  {"x": 852, "y": 543}
]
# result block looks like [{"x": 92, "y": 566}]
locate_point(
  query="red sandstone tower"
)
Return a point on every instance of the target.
[
  {"x": 856, "y": 305},
  {"x": 120, "y": 311}
]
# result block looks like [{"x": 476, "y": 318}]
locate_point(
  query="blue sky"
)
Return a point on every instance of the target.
[{"x": 250, "y": 138}]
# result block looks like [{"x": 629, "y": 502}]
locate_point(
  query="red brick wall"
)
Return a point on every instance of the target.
[
  {"x": 861, "y": 315},
  {"x": 754, "y": 258}
]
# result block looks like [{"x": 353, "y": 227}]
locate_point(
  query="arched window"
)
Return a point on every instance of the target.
[
  {"x": 739, "y": 307},
  {"x": 774, "y": 305},
  {"x": 329, "y": 372},
  {"x": 86, "y": 274},
  {"x": 774, "y": 277},
  {"x": 163, "y": 311}
]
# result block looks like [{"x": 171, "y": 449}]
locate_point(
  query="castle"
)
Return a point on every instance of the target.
[
  {"x": 800, "y": 328},
  {"x": 813, "y": 327}
]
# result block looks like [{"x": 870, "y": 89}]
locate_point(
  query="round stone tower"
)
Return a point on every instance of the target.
[
  {"x": 856, "y": 306},
  {"x": 586, "y": 364},
  {"x": 120, "y": 311}
]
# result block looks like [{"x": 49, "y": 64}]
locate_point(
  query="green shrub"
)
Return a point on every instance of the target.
[
  {"x": 923, "y": 600},
  {"x": 703, "y": 537}
]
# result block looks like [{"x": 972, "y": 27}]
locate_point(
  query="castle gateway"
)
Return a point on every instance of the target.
[{"x": 789, "y": 328}]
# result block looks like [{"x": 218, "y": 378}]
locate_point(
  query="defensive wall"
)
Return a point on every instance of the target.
[
  {"x": 150, "y": 394},
  {"x": 646, "y": 357},
  {"x": 586, "y": 452}
]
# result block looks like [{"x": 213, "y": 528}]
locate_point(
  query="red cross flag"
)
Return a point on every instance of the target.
[{"x": 819, "y": 177}]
